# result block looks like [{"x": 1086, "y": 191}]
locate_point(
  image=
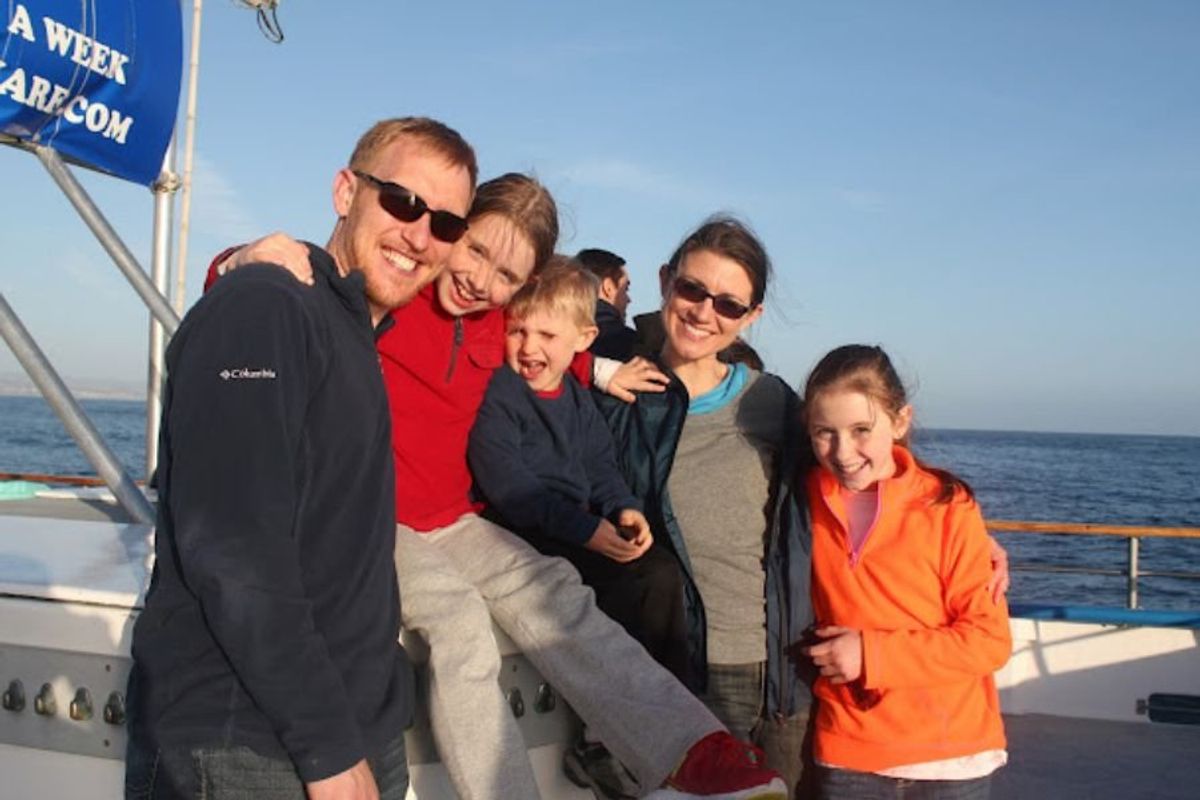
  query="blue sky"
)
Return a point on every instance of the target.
[{"x": 1006, "y": 196}]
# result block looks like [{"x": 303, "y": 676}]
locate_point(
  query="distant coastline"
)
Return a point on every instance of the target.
[{"x": 21, "y": 386}]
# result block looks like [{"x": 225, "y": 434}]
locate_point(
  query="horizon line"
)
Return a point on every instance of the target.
[{"x": 128, "y": 395}]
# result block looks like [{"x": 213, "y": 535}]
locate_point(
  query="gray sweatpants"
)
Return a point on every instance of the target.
[{"x": 454, "y": 582}]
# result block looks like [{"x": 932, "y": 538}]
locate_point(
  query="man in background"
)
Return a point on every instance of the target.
[{"x": 615, "y": 340}]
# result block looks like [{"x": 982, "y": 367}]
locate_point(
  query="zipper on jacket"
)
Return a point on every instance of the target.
[
  {"x": 458, "y": 340},
  {"x": 785, "y": 704},
  {"x": 855, "y": 557}
]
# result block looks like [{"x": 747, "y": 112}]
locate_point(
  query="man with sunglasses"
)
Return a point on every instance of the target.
[{"x": 266, "y": 661}]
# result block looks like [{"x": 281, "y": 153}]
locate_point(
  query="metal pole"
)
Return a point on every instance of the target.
[
  {"x": 1133, "y": 571},
  {"x": 189, "y": 144},
  {"x": 160, "y": 263},
  {"x": 73, "y": 418},
  {"x": 109, "y": 239}
]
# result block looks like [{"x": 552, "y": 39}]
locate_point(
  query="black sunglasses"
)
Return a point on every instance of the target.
[
  {"x": 726, "y": 305},
  {"x": 408, "y": 206}
]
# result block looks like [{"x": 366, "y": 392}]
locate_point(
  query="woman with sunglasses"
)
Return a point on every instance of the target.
[{"x": 709, "y": 457}]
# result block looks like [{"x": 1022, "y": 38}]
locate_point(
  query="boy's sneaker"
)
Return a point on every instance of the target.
[
  {"x": 589, "y": 765},
  {"x": 719, "y": 767}
]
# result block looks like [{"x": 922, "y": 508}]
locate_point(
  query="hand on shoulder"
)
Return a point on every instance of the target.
[
  {"x": 634, "y": 376},
  {"x": 276, "y": 248}
]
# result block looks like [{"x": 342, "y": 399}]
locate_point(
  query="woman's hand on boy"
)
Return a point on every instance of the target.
[
  {"x": 839, "y": 655},
  {"x": 626, "y": 541},
  {"x": 634, "y": 376}
]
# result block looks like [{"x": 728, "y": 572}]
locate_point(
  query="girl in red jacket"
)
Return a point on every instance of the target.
[{"x": 909, "y": 633}]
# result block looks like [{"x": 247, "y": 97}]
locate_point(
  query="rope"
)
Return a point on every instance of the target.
[{"x": 268, "y": 18}]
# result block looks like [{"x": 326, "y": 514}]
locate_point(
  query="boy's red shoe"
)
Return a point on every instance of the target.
[{"x": 720, "y": 767}]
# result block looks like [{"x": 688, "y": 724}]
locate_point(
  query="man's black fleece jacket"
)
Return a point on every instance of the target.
[{"x": 272, "y": 616}]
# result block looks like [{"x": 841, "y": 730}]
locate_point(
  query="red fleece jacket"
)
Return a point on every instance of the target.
[
  {"x": 436, "y": 369},
  {"x": 932, "y": 636}
]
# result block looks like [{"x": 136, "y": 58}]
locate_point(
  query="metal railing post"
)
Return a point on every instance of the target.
[
  {"x": 109, "y": 239},
  {"x": 1133, "y": 571},
  {"x": 73, "y": 418},
  {"x": 1133, "y": 534},
  {"x": 160, "y": 261}
]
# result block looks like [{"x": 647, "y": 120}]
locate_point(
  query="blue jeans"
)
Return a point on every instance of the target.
[
  {"x": 735, "y": 695},
  {"x": 238, "y": 773},
  {"x": 845, "y": 784}
]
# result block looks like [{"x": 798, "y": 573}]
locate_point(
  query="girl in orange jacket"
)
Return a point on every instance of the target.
[{"x": 909, "y": 634}]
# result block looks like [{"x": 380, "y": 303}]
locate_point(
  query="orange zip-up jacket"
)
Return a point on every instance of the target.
[{"x": 931, "y": 634}]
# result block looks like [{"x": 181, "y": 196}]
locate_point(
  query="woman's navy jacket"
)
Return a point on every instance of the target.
[{"x": 646, "y": 434}]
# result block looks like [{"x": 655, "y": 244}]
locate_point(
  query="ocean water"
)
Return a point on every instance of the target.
[
  {"x": 33, "y": 439},
  {"x": 1069, "y": 477},
  {"x": 1050, "y": 477}
]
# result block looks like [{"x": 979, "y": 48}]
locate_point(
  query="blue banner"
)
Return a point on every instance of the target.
[{"x": 97, "y": 80}]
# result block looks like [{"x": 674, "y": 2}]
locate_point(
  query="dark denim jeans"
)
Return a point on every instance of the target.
[
  {"x": 735, "y": 696},
  {"x": 845, "y": 784},
  {"x": 238, "y": 773}
]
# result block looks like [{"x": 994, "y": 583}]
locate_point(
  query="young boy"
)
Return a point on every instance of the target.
[
  {"x": 540, "y": 452},
  {"x": 543, "y": 461}
]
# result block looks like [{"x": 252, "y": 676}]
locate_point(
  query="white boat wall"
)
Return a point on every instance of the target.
[
  {"x": 69, "y": 594},
  {"x": 1092, "y": 670}
]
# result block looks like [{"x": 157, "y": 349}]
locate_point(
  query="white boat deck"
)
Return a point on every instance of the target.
[{"x": 86, "y": 505}]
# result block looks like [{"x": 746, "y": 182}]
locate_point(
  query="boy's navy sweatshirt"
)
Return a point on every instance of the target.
[
  {"x": 545, "y": 464},
  {"x": 272, "y": 615}
]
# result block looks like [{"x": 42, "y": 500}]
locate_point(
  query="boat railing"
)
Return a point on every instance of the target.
[
  {"x": 1133, "y": 534},
  {"x": 164, "y": 322}
]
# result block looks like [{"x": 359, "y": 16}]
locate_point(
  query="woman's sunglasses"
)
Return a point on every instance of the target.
[
  {"x": 407, "y": 206},
  {"x": 726, "y": 305}
]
